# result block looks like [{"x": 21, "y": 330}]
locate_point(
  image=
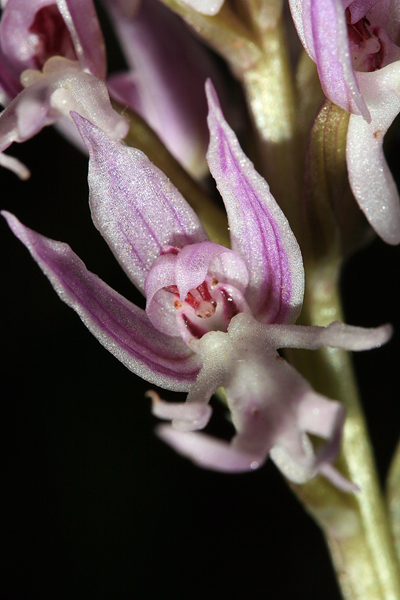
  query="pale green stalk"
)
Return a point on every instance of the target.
[
  {"x": 268, "y": 85},
  {"x": 355, "y": 526},
  {"x": 251, "y": 37},
  {"x": 393, "y": 498}
]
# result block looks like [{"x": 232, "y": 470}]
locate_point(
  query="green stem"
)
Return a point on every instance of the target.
[
  {"x": 355, "y": 526},
  {"x": 393, "y": 497}
]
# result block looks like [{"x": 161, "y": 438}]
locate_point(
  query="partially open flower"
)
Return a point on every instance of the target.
[
  {"x": 52, "y": 61},
  {"x": 355, "y": 46}
]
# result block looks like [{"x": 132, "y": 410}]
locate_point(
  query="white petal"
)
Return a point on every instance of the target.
[
  {"x": 208, "y": 452},
  {"x": 370, "y": 178}
]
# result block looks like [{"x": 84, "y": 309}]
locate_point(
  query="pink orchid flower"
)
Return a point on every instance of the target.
[
  {"x": 355, "y": 46},
  {"x": 52, "y": 61},
  {"x": 214, "y": 316}
]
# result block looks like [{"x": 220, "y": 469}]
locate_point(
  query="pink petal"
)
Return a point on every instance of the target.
[
  {"x": 81, "y": 19},
  {"x": 159, "y": 303},
  {"x": 260, "y": 233},
  {"x": 322, "y": 29},
  {"x": 120, "y": 326},
  {"x": 195, "y": 261},
  {"x": 153, "y": 40},
  {"x": 359, "y": 8},
  {"x": 134, "y": 205}
]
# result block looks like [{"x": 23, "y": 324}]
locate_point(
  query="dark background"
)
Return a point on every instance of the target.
[{"x": 92, "y": 504}]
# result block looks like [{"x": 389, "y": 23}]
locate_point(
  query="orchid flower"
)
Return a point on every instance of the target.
[
  {"x": 214, "y": 316},
  {"x": 52, "y": 61},
  {"x": 152, "y": 39},
  {"x": 355, "y": 46}
]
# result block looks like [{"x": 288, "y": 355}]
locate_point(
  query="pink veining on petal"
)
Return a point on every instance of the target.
[
  {"x": 119, "y": 325},
  {"x": 153, "y": 40},
  {"x": 124, "y": 188},
  {"x": 260, "y": 233}
]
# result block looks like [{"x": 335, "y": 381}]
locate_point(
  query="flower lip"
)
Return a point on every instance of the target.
[{"x": 202, "y": 283}]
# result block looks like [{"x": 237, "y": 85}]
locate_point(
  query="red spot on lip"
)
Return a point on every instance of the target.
[
  {"x": 195, "y": 331},
  {"x": 171, "y": 250},
  {"x": 230, "y": 308}
]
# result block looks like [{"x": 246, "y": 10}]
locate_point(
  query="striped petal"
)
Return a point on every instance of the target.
[
  {"x": 321, "y": 26},
  {"x": 153, "y": 39},
  {"x": 120, "y": 326},
  {"x": 260, "y": 233},
  {"x": 134, "y": 205}
]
